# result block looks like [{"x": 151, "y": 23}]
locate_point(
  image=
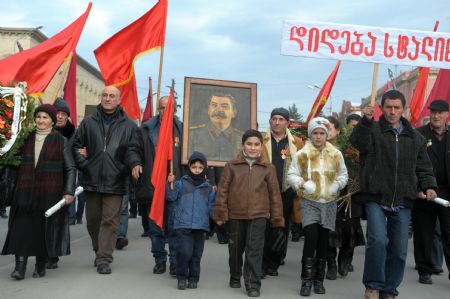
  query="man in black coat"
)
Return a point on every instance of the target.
[
  {"x": 105, "y": 136},
  {"x": 425, "y": 212},
  {"x": 394, "y": 165},
  {"x": 141, "y": 159}
]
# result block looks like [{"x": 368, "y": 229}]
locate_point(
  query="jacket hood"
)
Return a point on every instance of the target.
[{"x": 198, "y": 156}]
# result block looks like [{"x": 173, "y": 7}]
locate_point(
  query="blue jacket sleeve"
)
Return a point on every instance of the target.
[
  {"x": 173, "y": 194},
  {"x": 212, "y": 196}
]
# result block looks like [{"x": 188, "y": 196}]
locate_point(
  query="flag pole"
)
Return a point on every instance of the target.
[
  {"x": 161, "y": 60},
  {"x": 373, "y": 96},
  {"x": 63, "y": 78}
]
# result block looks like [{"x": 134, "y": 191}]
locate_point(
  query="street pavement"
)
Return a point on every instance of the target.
[{"x": 132, "y": 276}]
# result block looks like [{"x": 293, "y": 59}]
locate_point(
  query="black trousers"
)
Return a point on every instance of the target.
[
  {"x": 246, "y": 236},
  {"x": 272, "y": 259},
  {"x": 424, "y": 216}
]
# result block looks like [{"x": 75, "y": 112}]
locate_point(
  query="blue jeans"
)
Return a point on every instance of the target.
[
  {"x": 123, "y": 226},
  {"x": 158, "y": 237},
  {"x": 386, "y": 248},
  {"x": 189, "y": 253}
]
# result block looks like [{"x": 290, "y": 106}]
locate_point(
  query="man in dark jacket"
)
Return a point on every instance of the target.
[
  {"x": 106, "y": 136},
  {"x": 142, "y": 157},
  {"x": 425, "y": 213},
  {"x": 394, "y": 165}
]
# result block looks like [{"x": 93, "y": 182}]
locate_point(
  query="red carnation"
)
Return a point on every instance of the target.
[
  {"x": 349, "y": 151},
  {"x": 8, "y": 113},
  {"x": 8, "y": 135}
]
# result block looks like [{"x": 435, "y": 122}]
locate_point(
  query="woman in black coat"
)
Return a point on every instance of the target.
[{"x": 46, "y": 174}]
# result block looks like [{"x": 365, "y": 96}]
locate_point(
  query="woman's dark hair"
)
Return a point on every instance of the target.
[
  {"x": 252, "y": 133},
  {"x": 335, "y": 122}
]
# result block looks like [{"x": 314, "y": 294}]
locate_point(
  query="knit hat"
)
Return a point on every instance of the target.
[
  {"x": 61, "y": 105},
  {"x": 280, "y": 111},
  {"x": 318, "y": 122},
  {"x": 47, "y": 108}
]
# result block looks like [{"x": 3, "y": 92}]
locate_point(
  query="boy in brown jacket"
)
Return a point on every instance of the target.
[{"x": 248, "y": 195}]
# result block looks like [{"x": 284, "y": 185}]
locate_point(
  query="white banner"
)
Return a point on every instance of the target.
[{"x": 366, "y": 44}]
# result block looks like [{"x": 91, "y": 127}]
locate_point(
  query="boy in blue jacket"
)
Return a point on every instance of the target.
[{"x": 194, "y": 201}]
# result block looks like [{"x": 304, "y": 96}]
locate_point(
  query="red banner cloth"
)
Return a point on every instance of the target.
[
  {"x": 323, "y": 95},
  {"x": 116, "y": 56},
  {"x": 418, "y": 97},
  {"x": 440, "y": 91},
  {"x": 164, "y": 154},
  {"x": 148, "y": 112},
  {"x": 39, "y": 64},
  {"x": 70, "y": 89}
]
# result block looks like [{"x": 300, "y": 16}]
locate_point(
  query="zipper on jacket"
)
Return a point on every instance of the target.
[
  {"x": 396, "y": 170},
  {"x": 104, "y": 143}
]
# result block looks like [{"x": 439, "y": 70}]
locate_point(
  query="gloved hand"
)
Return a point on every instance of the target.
[
  {"x": 309, "y": 187},
  {"x": 278, "y": 238}
]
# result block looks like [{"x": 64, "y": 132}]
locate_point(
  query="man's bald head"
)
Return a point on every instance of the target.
[{"x": 110, "y": 99}]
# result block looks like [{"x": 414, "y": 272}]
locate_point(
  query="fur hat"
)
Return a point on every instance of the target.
[
  {"x": 61, "y": 105},
  {"x": 47, "y": 108},
  {"x": 318, "y": 122}
]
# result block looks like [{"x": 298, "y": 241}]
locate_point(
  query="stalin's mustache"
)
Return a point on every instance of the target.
[{"x": 220, "y": 114}]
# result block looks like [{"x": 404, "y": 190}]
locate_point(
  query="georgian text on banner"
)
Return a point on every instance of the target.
[{"x": 366, "y": 44}]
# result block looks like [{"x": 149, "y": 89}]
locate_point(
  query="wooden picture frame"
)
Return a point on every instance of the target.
[{"x": 215, "y": 115}]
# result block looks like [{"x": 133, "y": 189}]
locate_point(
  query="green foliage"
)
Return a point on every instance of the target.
[
  {"x": 294, "y": 114},
  {"x": 351, "y": 155}
]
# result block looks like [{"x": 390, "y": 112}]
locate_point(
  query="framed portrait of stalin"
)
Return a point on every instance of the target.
[{"x": 215, "y": 115}]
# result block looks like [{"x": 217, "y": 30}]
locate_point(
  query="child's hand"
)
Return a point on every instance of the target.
[{"x": 170, "y": 178}]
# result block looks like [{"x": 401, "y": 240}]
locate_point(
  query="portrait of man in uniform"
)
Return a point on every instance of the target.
[{"x": 216, "y": 113}]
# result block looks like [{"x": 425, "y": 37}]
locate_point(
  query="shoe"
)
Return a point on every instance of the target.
[
  {"x": 350, "y": 268},
  {"x": 51, "y": 265},
  {"x": 332, "y": 269},
  {"x": 253, "y": 293},
  {"x": 263, "y": 275},
  {"x": 235, "y": 284},
  {"x": 181, "y": 284},
  {"x": 371, "y": 294},
  {"x": 192, "y": 285},
  {"x": 308, "y": 269},
  {"x": 271, "y": 272},
  {"x": 3, "y": 215},
  {"x": 436, "y": 270},
  {"x": 104, "y": 269},
  {"x": 79, "y": 221},
  {"x": 319, "y": 276},
  {"x": 21, "y": 266},
  {"x": 121, "y": 243},
  {"x": 132, "y": 215},
  {"x": 39, "y": 269},
  {"x": 425, "y": 278},
  {"x": 72, "y": 222},
  {"x": 173, "y": 269},
  {"x": 343, "y": 266},
  {"x": 282, "y": 262},
  {"x": 223, "y": 241},
  {"x": 160, "y": 267}
]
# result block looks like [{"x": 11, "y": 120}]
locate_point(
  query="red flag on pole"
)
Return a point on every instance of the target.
[
  {"x": 164, "y": 154},
  {"x": 440, "y": 91},
  {"x": 418, "y": 97},
  {"x": 38, "y": 65},
  {"x": 148, "y": 112},
  {"x": 117, "y": 55},
  {"x": 323, "y": 95},
  {"x": 70, "y": 89},
  {"x": 377, "y": 112}
]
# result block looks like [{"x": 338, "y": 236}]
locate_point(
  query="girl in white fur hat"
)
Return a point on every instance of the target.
[{"x": 317, "y": 173}]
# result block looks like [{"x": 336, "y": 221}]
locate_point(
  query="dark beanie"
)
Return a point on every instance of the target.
[
  {"x": 47, "y": 108},
  {"x": 252, "y": 133},
  {"x": 197, "y": 156},
  {"x": 280, "y": 111},
  {"x": 61, "y": 105}
]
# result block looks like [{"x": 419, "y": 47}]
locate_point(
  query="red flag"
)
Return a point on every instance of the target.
[
  {"x": 377, "y": 112},
  {"x": 440, "y": 91},
  {"x": 38, "y": 65},
  {"x": 148, "y": 112},
  {"x": 117, "y": 55},
  {"x": 70, "y": 89},
  {"x": 418, "y": 97},
  {"x": 388, "y": 86},
  {"x": 128, "y": 98},
  {"x": 323, "y": 95},
  {"x": 163, "y": 155}
]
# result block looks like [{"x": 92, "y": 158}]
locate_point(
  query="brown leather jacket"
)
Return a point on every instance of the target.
[{"x": 249, "y": 193}]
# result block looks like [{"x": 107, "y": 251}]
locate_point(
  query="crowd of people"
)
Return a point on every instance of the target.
[{"x": 274, "y": 182}]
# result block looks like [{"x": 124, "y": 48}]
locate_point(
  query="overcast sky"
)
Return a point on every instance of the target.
[{"x": 237, "y": 40}]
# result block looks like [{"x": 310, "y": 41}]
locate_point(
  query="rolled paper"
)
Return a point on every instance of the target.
[
  {"x": 442, "y": 202},
  {"x": 62, "y": 203}
]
